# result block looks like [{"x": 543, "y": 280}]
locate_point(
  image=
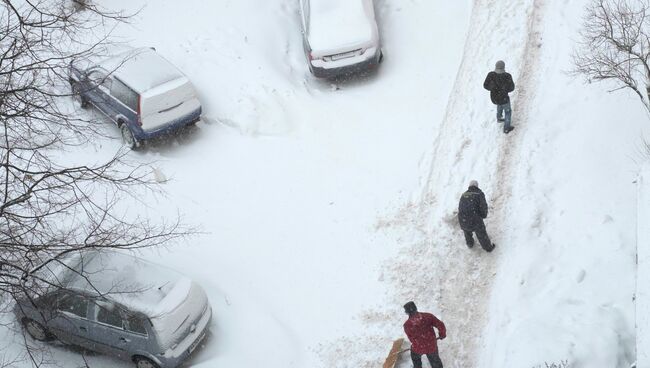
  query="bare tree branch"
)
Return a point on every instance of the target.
[
  {"x": 615, "y": 46},
  {"x": 53, "y": 203}
]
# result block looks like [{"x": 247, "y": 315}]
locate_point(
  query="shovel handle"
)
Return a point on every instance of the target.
[{"x": 399, "y": 352}]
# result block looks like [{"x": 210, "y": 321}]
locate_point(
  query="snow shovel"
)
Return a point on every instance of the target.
[{"x": 395, "y": 351}]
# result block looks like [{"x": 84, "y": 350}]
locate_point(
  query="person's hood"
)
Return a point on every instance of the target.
[{"x": 500, "y": 67}]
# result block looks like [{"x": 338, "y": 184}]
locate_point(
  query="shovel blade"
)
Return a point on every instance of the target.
[{"x": 393, "y": 356}]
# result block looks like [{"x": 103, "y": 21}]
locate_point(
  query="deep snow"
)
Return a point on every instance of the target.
[{"x": 327, "y": 206}]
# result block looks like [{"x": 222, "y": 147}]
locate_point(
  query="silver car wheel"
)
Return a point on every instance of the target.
[
  {"x": 35, "y": 330},
  {"x": 145, "y": 363}
]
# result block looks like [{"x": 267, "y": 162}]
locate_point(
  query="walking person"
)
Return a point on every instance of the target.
[
  {"x": 419, "y": 328},
  {"x": 472, "y": 209},
  {"x": 499, "y": 83}
]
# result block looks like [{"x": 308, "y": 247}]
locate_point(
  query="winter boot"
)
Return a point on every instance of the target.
[
  {"x": 469, "y": 238},
  {"x": 508, "y": 129}
]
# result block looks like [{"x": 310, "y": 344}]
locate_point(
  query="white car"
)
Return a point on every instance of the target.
[{"x": 340, "y": 36}]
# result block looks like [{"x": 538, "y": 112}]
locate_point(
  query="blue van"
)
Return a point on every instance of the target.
[{"x": 144, "y": 94}]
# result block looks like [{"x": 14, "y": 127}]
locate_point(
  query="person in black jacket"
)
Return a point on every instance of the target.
[
  {"x": 472, "y": 209},
  {"x": 500, "y": 83}
]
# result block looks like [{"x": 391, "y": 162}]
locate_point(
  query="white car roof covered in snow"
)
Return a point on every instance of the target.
[
  {"x": 141, "y": 69},
  {"x": 130, "y": 281},
  {"x": 335, "y": 24}
]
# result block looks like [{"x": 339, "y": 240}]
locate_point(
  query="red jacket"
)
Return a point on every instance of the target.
[{"x": 419, "y": 329}]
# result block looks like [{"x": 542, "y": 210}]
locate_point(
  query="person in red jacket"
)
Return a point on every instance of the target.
[{"x": 420, "y": 330}]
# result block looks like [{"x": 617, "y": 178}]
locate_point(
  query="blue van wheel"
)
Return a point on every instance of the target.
[
  {"x": 128, "y": 138},
  {"x": 76, "y": 94}
]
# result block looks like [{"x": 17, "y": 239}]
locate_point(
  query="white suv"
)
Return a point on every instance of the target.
[{"x": 340, "y": 36}]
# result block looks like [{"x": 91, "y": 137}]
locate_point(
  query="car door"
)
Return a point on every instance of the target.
[
  {"x": 70, "y": 319},
  {"x": 304, "y": 17},
  {"x": 98, "y": 85},
  {"x": 138, "y": 335},
  {"x": 125, "y": 101},
  {"x": 108, "y": 328}
]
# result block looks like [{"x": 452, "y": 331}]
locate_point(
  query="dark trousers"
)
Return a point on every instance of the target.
[
  {"x": 434, "y": 360},
  {"x": 482, "y": 236}
]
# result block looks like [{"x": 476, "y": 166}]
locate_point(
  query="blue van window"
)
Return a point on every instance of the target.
[{"x": 124, "y": 94}]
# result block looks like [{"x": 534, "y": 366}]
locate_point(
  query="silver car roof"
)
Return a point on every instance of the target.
[{"x": 134, "y": 283}]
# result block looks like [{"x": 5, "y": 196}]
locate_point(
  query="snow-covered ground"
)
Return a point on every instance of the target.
[
  {"x": 289, "y": 187},
  {"x": 565, "y": 285},
  {"x": 327, "y": 206},
  {"x": 643, "y": 274}
]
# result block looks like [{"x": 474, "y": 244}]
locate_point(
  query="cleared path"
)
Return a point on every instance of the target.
[{"x": 435, "y": 268}]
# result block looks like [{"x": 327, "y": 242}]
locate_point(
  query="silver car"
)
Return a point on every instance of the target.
[
  {"x": 340, "y": 36},
  {"x": 119, "y": 305}
]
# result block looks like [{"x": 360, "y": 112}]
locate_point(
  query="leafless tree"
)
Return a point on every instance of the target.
[
  {"x": 53, "y": 200},
  {"x": 615, "y": 45}
]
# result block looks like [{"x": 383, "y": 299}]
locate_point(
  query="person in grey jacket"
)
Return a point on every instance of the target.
[
  {"x": 500, "y": 83},
  {"x": 472, "y": 209}
]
